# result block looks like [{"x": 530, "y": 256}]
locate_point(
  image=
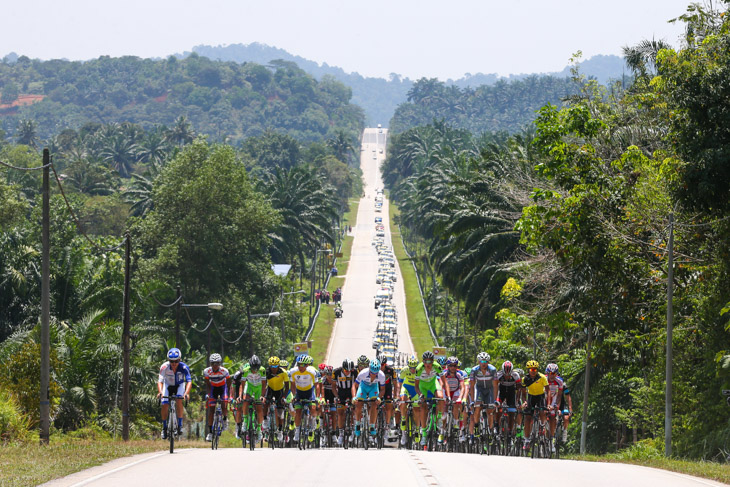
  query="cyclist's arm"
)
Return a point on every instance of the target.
[
  {"x": 472, "y": 385},
  {"x": 570, "y": 403},
  {"x": 462, "y": 391},
  {"x": 445, "y": 386},
  {"x": 495, "y": 387},
  {"x": 416, "y": 385},
  {"x": 264, "y": 386},
  {"x": 160, "y": 387}
]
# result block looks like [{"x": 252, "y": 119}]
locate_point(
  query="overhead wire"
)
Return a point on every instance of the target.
[{"x": 25, "y": 168}]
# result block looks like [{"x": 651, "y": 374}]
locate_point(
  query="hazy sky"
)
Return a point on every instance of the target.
[{"x": 444, "y": 38}]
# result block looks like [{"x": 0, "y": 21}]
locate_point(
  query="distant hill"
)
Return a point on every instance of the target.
[
  {"x": 225, "y": 100},
  {"x": 380, "y": 97}
]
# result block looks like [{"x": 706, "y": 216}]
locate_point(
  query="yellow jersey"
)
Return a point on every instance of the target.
[
  {"x": 276, "y": 382},
  {"x": 303, "y": 380},
  {"x": 535, "y": 385}
]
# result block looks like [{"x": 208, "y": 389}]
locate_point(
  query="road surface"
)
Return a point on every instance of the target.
[
  {"x": 388, "y": 467},
  {"x": 353, "y": 333}
]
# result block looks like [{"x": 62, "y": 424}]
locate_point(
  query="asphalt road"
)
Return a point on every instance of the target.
[
  {"x": 388, "y": 467},
  {"x": 353, "y": 333}
]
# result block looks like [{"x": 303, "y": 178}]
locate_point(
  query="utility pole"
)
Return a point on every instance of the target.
[
  {"x": 45, "y": 404},
  {"x": 178, "y": 308},
  {"x": 586, "y": 389},
  {"x": 125, "y": 339},
  {"x": 250, "y": 331},
  {"x": 670, "y": 325}
]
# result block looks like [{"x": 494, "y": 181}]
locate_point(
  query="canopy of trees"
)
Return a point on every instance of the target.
[{"x": 227, "y": 101}]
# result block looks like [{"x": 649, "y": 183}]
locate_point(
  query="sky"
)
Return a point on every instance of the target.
[{"x": 444, "y": 39}]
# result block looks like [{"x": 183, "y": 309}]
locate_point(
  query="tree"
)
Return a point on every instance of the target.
[{"x": 28, "y": 133}]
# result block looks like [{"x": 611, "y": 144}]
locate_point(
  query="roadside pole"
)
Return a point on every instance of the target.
[{"x": 45, "y": 405}]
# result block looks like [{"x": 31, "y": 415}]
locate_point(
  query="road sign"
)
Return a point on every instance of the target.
[
  {"x": 301, "y": 348},
  {"x": 439, "y": 351}
]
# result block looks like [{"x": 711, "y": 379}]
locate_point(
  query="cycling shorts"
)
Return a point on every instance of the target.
[
  {"x": 367, "y": 391},
  {"x": 454, "y": 396},
  {"x": 329, "y": 398},
  {"x": 276, "y": 397},
  {"x": 429, "y": 389},
  {"x": 344, "y": 395},
  {"x": 485, "y": 395},
  {"x": 178, "y": 390},
  {"x": 408, "y": 391},
  {"x": 218, "y": 392},
  {"x": 253, "y": 391},
  {"x": 307, "y": 395},
  {"x": 508, "y": 397},
  {"x": 388, "y": 391},
  {"x": 534, "y": 402}
]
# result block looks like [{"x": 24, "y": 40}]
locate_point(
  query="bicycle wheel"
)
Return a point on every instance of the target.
[
  {"x": 251, "y": 428},
  {"x": 214, "y": 437},
  {"x": 171, "y": 427}
]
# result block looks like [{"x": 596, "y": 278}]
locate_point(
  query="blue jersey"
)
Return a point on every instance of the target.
[{"x": 170, "y": 378}]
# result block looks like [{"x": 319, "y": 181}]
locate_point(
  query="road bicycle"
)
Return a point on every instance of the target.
[
  {"x": 411, "y": 427},
  {"x": 272, "y": 436},
  {"x": 557, "y": 439},
  {"x": 484, "y": 440},
  {"x": 328, "y": 426},
  {"x": 172, "y": 431},
  {"x": 305, "y": 427},
  {"x": 217, "y": 426},
  {"x": 432, "y": 424},
  {"x": 252, "y": 425},
  {"x": 539, "y": 443},
  {"x": 506, "y": 436},
  {"x": 451, "y": 440},
  {"x": 348, "y": 429}
]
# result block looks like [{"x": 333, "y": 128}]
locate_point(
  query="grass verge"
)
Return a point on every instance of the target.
[
  {"x": 28, "y": 464},
  {"x": 709, "y": 470},
  {"x": 325, "y": 323},
  {"x": 417, "y": 323}
]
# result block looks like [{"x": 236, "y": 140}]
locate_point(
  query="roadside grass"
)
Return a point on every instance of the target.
[
  {"x": 719, "y": 472},
  {"x": 28, "y": 463},
  {"x": 323, "y": 327},
  {"x": 417, "y": 323}
]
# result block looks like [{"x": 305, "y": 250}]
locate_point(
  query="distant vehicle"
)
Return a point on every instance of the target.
[
  {"x": 380, "y": 126},
  {"x": 381, "y": 151}
]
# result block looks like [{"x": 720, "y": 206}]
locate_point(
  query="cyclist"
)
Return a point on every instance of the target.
[
  {"x": 254, "y": 377},
  {"x": 362, "y": 362},
  {"x": 345, "y": 378},
  {"x": 555, "y": 397},
  {"x": 371, "y": 384},
  {"x": 537, "y": 386},
  {"x": 455, "y": 391},
  {"x": 483, "y": 389},
  {"x": 428, "y": 386},
  {"x": 407, "y": 381},
  {"x": 236, "y": 405},
  {"x": 508, "y": 380},
  {"x": 217, "y": 382},
  {"x": 304, "y": 379},
  {"x": 566, "y": 409},
  {"x": 521, "y": 393},
  {"x": 174, "y": 381},
  {"x": 328, "y": 386},
  {"x": 391, "y": 379},
  {"x": 277, "y": 388}
]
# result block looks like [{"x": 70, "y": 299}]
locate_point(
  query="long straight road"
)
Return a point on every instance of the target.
[
  {"x": 388, "y": 467},
  {"x": 353, "y": 333}
]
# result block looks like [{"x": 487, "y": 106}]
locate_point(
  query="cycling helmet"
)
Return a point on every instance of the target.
[
  {"x": 413, "y": 362},
  {"x": 427, "y": 355},
  {"x": 174, "y": 354},
  {"x": 254, "y": 361},
  {"x": 215, "y": 358},
  {"x": 347, "y": 364},
  {"x": 551, "y": 369},
  {"x": 309, "y": 359},
  {"x": 322, "y": 366},
  {"x": 374, "y": 366},
  {"x": 532, "y": 364},
  {"x": 483, "y": 356},
  {"x": 520, "y": 372},
  {"x": 274, "y": 362},
  {"x": 302, "y": 360},
  {"x": 442, "y": 361},
  {"x": 284, "y": 364},
  {"x": 328, "y": 370},
  {"x": 363, "y": 360},
  {"x": 452, "y": 361},
  {"x": 507, "y": 367}
]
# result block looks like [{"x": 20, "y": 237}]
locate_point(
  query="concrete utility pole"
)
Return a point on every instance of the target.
[
  {"x": 178, "y": 308},
  {"x": 45, "y": 409},
  {"x": 670, "y": 325},
  {"x": 125, "y": 339},
  {"x": 586, "y": 390}
]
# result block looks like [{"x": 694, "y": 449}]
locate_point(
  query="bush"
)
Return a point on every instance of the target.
[
  {"x": 14, "y": 425},
  {"x": 648, "y": 449}
]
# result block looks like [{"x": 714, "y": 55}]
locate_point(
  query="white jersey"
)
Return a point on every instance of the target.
[
  {"x": 364, "y": 378},
  {"x": 218, "y": 377}
]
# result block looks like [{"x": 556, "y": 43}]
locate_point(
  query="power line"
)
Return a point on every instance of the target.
[
  {"x": 26, "y": 168},
  {"x": 192, "y": 325}
]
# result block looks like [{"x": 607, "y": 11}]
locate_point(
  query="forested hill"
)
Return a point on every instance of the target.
[
  {"x": 226, "y": 100},
  {"x": 380, "y": 97},
  {"x": 507, "y": 106}
]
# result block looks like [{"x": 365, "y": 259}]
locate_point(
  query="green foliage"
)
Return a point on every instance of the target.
[
  {"x": 225, "y": 100},
  {"x": 14, "y": 424}
]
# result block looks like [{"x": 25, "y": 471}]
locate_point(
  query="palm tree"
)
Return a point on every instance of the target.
[
  {"x": 120, "y": 152},
  {"x": 153, "y": 149},
  {"x": 342, "y": 146},
  {"x": 181, "y": 132},
  {"x": 28, "y": 133},
  {"x": 641, "y": 58}
]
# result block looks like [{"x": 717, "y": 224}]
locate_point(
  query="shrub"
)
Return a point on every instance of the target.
[{"x": 14, "y": 425}]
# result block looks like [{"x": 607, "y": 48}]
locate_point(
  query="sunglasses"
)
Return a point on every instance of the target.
[
  {"x": 484, "y": 361},
  {"x": 174, "y": 361},
  {"x": 532, "y": 370},
  {"x": 273, "y": 366},
  {"x": 428, "y": 361}
]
